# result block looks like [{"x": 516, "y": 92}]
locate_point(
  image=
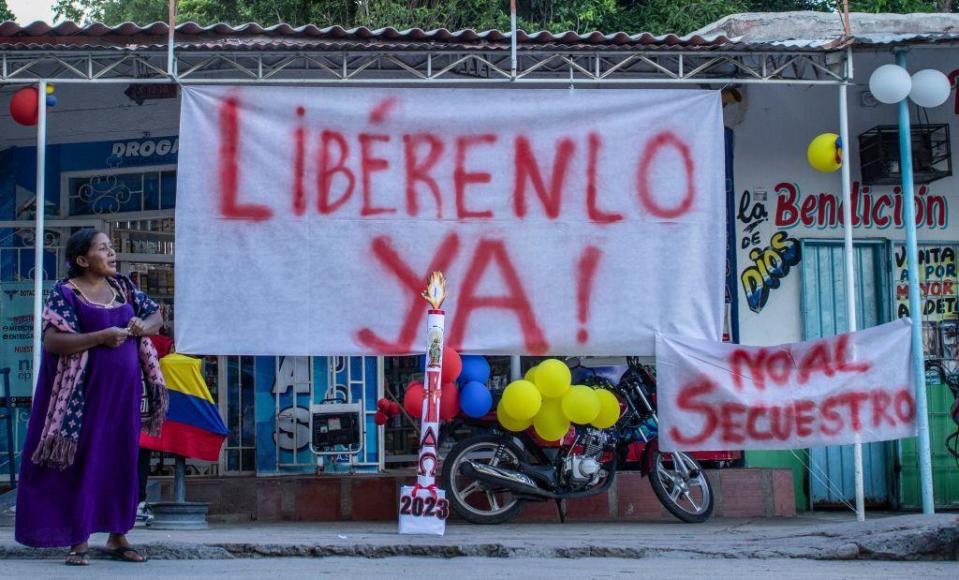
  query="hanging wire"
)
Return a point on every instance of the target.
[{"x": 823, "y": 478}]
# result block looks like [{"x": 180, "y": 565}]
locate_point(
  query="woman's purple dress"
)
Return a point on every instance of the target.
[{"x": 98, "y": 493}]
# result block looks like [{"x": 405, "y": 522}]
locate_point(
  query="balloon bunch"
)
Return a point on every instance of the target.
[
  {"x": 386, "y": 410},
  {"x": 464, "y": 388},
  {"x": 23, "y": 104},
  {"x": 546, "y": 400}
]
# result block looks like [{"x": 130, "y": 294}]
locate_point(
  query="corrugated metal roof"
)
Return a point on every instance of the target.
[
  {"x": 191, "y": 36},
  {"x": 821, "y": 29},
  {"x": 770, "y": 31}
]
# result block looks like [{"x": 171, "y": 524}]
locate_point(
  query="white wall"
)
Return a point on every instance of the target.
[{"x": 773, "y": 127}]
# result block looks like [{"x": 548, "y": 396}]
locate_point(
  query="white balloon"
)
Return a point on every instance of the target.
[
  {"x": 890, "y": 83},
  {"x": 930, "y": 88}
]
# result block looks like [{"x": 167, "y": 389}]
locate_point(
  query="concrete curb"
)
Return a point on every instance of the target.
[{"x": 901, "y": 538}]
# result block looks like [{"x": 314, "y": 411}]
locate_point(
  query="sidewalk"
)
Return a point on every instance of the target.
[{"x": 818, "y": 537}]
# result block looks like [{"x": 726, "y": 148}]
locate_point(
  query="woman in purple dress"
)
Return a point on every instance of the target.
[{"x": 78, "y": 473}]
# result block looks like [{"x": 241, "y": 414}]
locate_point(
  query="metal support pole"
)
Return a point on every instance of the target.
[
  {"x": 170, "y": 62},
  {"x": 850, "y": 260},
  {"x": 40, "y": 202},
  {"x": 912, "y": 256},
  {"x": 512, "y": 39},
  {"x": 179, "y": 480},
  {"x": 515, "y": 367}
]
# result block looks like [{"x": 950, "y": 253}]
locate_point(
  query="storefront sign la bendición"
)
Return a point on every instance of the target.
[{"x": 871, "y": 210}]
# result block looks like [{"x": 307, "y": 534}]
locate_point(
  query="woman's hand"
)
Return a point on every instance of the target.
[
  {"x": 114, "y": 337},
  {"x": 137, "y": 327}
]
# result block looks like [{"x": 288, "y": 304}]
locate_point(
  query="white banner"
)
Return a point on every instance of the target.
[
  {"x": 852, "y": 387},
  {"x": 566, "y": 222}
]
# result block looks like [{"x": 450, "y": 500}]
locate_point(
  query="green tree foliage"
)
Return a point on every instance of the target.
[
  {"x": 657, "y": 16},
  {"x": 5, "y": 13},
  {"x": 902, "y": 6}
]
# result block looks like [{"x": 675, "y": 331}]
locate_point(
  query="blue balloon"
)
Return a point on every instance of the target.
[
  {"x": 475, "y": 368},
  {"x": 475, "y": 399},
  {"x": 51, "y": 100}
]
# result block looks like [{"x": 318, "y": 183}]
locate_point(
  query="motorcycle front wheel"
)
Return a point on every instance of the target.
[
  {"x": 682, "y": 486},
  {"x": 475, "y": 501}
]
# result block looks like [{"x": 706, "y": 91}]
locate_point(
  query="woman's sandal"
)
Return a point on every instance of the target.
[
  {"x": 78, "y": 559},
  {"x": 126, "y": 554}
]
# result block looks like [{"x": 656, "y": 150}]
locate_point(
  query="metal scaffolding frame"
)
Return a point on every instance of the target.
[{"x": 248, "y": 64}]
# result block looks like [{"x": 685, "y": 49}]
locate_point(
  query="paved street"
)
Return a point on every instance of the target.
[{"x": 465, "y": 568}]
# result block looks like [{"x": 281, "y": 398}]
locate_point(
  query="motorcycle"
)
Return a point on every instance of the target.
[{"x": 489, "y": 476}]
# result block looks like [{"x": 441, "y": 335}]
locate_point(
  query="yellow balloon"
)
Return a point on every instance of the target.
[
  {"x": 553, "y": 378},
  {"x": 521, "y": 400},
  {"x": 825, "y": 153},
  {"x": 550, "y": 423},
  {"x": 608, "y": 409},
  {"x": 581, "y": 404},
  {"x": 509, "y": 423},
  {"x": 50, "y": 88},
  {"x": 531, "y": 375}
]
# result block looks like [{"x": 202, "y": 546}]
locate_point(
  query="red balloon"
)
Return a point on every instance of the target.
[
  {"x": 23, "y": 106},
  {"x": 394, "y": 409},
  {"x": 452, "y": 365},
  {"x": 413, "y": 399},
  {"x": 381, "y": 418},
  {"x": 383, "y": 405},
  {"x": 449, "y": 401}
]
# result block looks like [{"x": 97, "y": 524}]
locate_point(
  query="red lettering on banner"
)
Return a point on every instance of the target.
[
  {"x": 380, "y": 111},
  {"x": 299, "y": 163},
  {"x": 588, "y": 263},
  {"x": 368, "y": 165},
  {"x": 842, "y": 358},
  {"x": 779, "y": 366},
  {"x": 731, "y": 427},
  {"x": 230, "y": 169},
  {"x": 855, "y": 399},
  {"x": 829, "y": 414},
  {"x": 417, "y": 171},
  {"x": 905, "y": 405},
  {"x": 488, "y": 253},
  {"x": 752, "y": 431},
  {"x": 687, "y": 401},
  {"x": 743, "y": 356},
  {"x": 462, "y": 177},
  {"x": 646, "y": 197},
  {"x": 412, "y": 283},
  {"x": 804, "y": 417},
  {"x": 328, "y": 171},
  {"x": 880, "y": 408},
  {"x": 732, "y": 423},
  {"x": 816, "y": 360},
  {"x": 527, "y": 169},
  {"x": 782, "y": 423},
  {"x": 595, "y": 214}
]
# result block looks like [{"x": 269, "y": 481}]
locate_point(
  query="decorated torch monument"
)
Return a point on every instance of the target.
[{"x": 423, "y": 507}]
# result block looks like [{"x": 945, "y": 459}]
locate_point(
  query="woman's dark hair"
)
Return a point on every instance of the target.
[{"x": 79, "y": 245}]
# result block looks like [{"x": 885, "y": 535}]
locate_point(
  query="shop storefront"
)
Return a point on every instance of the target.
[
  {"x": 116, "y": 170},
  {"x": 127, "y": 188},
  {"x": 791, "y": 268}
]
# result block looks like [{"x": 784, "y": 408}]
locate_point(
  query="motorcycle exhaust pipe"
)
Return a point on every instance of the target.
[{"x": 514, "y": 481}]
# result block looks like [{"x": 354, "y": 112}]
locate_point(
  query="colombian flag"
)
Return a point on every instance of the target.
[{"x": 193, "y": 427}]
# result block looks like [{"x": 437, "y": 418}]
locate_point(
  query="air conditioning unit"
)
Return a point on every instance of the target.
[{"x": 879, "y": 154}]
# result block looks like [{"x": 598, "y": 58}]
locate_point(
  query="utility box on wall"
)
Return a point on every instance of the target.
[{"x": 879, "y": 154}]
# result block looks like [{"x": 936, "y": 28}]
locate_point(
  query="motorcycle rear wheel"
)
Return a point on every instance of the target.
[
  {"x": 472, "y": 500},
  {"x": 690, "y": 497}
]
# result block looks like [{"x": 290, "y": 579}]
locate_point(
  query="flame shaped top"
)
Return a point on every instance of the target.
[{"x": 435, "y": 292}]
